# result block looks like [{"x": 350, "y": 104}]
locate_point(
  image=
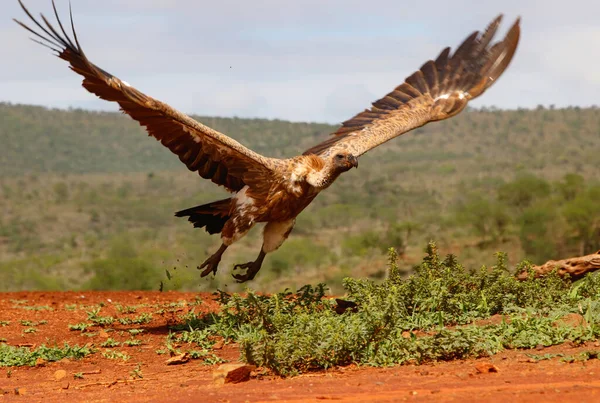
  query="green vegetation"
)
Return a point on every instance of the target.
[
  {"x": 132, "y": 342},
  {"x": 136, "y": 373},
  {"x": 80, "y": 326},
  {"x": 138, "y": 320},
  {"x": 115, "y": 355},
  {"x": 95, "y": 317},
  {"x": 87, "y": 200},
  {"x": 110, "y": 342},
  {"x": 438, "y": 313},
  {"x": 18, "y": 356}
]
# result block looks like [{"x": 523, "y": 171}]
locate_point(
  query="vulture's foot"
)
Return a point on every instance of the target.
[
  {"x": 251, "y": 269},
  {"x": 212, "y": 263}
]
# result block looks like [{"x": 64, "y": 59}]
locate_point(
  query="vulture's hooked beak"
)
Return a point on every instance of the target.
[{"x": 354, "y": 161}]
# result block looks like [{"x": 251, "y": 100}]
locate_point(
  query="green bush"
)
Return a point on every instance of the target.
[{"x": 427, "y": 317}]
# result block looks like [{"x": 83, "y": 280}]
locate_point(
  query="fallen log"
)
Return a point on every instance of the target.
[{"x": 575, "y": 267}]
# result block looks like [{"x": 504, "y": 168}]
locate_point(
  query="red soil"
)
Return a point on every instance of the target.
[{"x": 106, "y": 380}]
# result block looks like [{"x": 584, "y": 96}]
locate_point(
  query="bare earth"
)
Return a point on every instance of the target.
[{"x": 108, "y": 380}]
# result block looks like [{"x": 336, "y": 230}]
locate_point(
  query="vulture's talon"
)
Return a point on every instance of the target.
[{"x": 251, "y": 270}]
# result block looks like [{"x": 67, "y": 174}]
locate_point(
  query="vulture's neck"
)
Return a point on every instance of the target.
[{"x": 320, "y": 174}]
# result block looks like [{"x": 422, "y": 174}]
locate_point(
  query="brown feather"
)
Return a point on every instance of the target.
[
  {"x": 194, "y": 143},
  {"x": 439, "y": 90}
]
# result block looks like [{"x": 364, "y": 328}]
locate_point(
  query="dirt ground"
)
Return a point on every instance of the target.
[{"x": 100, "y": 379}]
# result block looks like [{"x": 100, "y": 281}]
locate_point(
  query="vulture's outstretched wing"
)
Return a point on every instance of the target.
[
  {"x": 212, "y": 154},
  {"x": 439, "y": 90}
]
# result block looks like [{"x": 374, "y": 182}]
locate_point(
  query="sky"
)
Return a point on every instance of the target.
[{"x": 303, "y": 60}]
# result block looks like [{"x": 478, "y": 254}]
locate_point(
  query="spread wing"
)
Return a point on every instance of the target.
[
  {"x": 212, "y": 154},
  {"x": 439, "y": 90}
]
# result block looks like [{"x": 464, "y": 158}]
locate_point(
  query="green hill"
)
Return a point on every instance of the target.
[
  {"x": 87, "y": 198},
  {"x": 36, "y": 139}
]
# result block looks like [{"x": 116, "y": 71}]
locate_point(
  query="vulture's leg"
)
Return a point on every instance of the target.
[
  {"x": 251, "y": 268},
  {"x": 212, "y": 262},
  {"x": 274, "y": 235},
  {"x": 233, "y": 230}
]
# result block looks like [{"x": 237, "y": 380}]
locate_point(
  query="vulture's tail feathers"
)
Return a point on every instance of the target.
[{"x": 211, "y": 216}]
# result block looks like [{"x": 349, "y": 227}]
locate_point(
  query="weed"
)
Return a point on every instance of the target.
[
  {"x": 115, "y": 355},
  {"x": 136, "y": 373},
  {"x": 37, "y": 308},
  {"x": 94, "y": 316},
  {"x": 132, "y": 342},
  {"x": 89, "y": 334},
  {"x": 126, "y": 309},
  {"x": 31, "y": 323},
  {"x": 18, "y": 356},
  {"x": 207, "y": 357},
  {"x": 138, "y": 320},
  {"x": 78, "y": 375},
  {"x": 82, "y": 326},
  {"x": 110, "y": 342}
]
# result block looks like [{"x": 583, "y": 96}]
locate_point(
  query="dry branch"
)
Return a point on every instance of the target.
[{"x": 575, "y": 267}]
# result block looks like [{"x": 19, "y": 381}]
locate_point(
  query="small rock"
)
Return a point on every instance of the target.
[
  {"x": 40, "y": 362},
  {"x": 218, "y": 345},
  {"x": 60, "y": 374},
  {"x": 232, "y": 373},
  {"x": 65, "y": 385},
  {"x": 103, "y": 334},
  {"x": 179, "y": 359},
  {"x": 486, "y": 367},
  {"x": 20, "y": 391}
]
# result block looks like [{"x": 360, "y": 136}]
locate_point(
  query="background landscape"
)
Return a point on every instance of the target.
[{"x": 87, "y": 200}]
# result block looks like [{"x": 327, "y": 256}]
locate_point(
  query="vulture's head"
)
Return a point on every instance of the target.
[{"x": 344, "y": 161}]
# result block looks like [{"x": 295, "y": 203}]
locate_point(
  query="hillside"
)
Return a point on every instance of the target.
[
  {"x": 38, "y": 140},
  {"x": 88, "y": 196}
]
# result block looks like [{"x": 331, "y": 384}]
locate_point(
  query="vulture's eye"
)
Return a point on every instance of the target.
[{"x": 340, "y": 156}]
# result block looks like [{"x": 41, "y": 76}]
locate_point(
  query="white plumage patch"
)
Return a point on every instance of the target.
[
  {"x": 242, "y": 200},
  {"x": 275, "y": 233}
]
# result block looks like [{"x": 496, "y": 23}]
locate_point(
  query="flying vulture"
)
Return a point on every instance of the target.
[{"x": 274, "y": 191}]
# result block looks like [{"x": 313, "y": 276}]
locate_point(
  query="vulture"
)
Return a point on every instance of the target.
[{"x": 271, "y": 190}]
